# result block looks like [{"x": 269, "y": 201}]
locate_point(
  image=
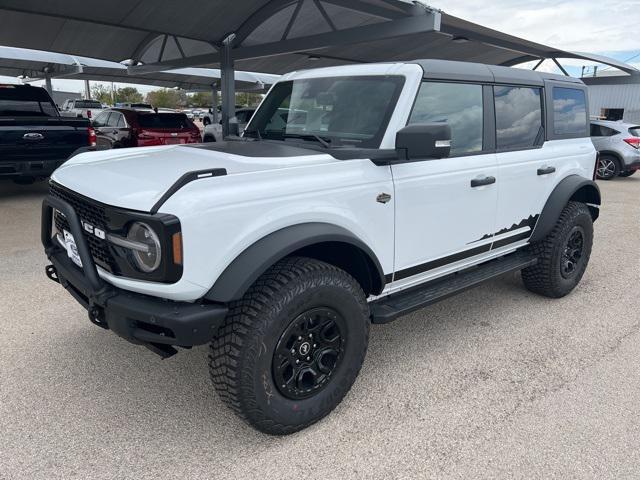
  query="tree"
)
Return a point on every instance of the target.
[
  {"x": 200, "y": 99},
  {"x": 128, "y": 95},
  {"x": 167, "y": 98},
  {"x": 101, "y": 93},
  {"x": 249, "y": 99}
]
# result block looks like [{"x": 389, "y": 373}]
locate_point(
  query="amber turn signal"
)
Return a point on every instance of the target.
[{"x": 176, "y": 240}]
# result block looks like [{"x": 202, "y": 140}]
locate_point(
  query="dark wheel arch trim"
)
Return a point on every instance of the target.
[
  {"x": 574, "y": 187},
  {"x": 616, "y": 156},
  {"x": 256, "y": 259}
]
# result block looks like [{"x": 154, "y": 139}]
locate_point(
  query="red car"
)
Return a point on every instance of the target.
[{"x": 126, "y": 127}]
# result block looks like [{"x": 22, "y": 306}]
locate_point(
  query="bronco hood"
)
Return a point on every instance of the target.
[{"x": 136, "y": 178}]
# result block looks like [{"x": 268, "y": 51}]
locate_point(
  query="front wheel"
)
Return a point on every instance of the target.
[
  {"x": 563, "y": 255},
  {"x": 290, "y": 350}
]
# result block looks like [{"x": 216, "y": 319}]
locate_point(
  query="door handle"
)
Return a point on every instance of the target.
[
  {"x": 546, "y": 170},
  {"x": 481, "y": 182},
  {"x": 115, "y": 132}
]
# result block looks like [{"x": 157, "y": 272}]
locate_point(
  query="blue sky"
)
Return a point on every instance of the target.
[{"x": 606, "y": 27}]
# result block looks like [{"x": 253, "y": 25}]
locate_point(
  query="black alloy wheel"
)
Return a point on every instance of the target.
[
  {"x": 573, "y": 252},
  {"x": 308, "y": 352}
]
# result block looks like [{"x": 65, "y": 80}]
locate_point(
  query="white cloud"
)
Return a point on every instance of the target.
[{"x": 585, "y": 25}]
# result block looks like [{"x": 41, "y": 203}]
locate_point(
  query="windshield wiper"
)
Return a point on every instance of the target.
[{"x": 325, "y": 142}]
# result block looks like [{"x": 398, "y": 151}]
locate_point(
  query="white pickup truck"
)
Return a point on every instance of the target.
[
  {"x": 81, "y": 108},
  {"x": 386, "y": 188}
]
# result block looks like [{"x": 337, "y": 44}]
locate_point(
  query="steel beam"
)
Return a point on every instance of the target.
[
  {"x": 429, "y": 22},
  {"x": 47, "y": 82},
  {"x": 214, "y": 103},
  {"x": 228, "y": 85}
]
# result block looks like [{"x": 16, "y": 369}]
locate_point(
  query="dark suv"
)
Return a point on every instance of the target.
[{"x": 125, "y": 127}]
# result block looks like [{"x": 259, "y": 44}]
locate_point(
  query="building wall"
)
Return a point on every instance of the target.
[
  {"x": 60, "y": 97},
  {"x": 616, "y": 96}
]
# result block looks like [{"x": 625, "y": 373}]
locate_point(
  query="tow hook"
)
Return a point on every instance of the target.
[
  {"x": 96, "y": 316},
  {"x": 51, "y": 273}
]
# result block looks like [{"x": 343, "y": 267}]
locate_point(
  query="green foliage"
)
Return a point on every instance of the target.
[
  {"x": 128, "y": 95},
  {"x": 248, "y": 99},
  {"x": 205, "y": 99},
  {"x": 101, "y": 93},
  {"x": 200, "y": 100},
  {"x": 167, "y": 98}
]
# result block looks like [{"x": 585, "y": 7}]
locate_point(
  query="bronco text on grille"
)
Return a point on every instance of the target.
[{"x": 91, "y": 213}]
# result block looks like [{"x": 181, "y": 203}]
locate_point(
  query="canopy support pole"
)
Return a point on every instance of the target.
[
  {"x": 214, "y": 103},
  {"x": 87, "y": 90},
  {"x": 47, "y": 82},
  {"x": 228, "y": 84}
]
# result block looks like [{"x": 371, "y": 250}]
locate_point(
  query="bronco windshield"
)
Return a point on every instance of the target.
[{"x": 336, "y": 111}]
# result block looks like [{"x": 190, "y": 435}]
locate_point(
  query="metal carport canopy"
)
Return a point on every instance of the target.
[
  {"x": 38, "y": 65},
  {"x": 274, "y": 36}
]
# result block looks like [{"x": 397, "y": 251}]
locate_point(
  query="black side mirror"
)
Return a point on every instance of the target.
[{"x": 424, "y": 140}]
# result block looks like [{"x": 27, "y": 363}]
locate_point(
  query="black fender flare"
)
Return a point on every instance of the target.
[
  {"x": 245, "y": 269},
  {"x": 574, "y": 187}
]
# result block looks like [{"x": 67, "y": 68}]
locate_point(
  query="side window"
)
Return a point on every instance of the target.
[
  {"x": 602, "y": 131},
  {"x": 569, "y": 112},
  {"x": 518, "y": 117},
  {"x": 458, "y": 104},
  {"x": 121, "y": 123},
  {"x": 101, "y": 119},
  {"x": 113, "y": 119}
]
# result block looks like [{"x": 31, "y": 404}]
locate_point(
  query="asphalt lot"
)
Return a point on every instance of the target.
[{"x": 495, "y": 383}]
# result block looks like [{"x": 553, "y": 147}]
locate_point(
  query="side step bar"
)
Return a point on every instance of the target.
[{"x": 389, "y": 308}]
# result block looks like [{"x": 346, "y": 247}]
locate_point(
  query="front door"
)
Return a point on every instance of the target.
[{"x": 446, "y": 208}]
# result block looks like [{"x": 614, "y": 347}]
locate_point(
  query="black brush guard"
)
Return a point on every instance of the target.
[{"x": 141, "y": 319}]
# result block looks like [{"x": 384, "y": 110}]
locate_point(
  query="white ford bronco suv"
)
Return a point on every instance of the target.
[{"x": 356, "y": 195}]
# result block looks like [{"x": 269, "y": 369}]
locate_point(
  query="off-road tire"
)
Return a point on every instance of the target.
[
  {"x": 242, "y": 354},
  {"x": 627, "y": 173},
  {"x": 546, "y": 277},
  {"x": 615, "y": 165}
]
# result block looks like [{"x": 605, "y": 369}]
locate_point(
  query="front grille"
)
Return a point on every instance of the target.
[{"x": 92, "y": 213}]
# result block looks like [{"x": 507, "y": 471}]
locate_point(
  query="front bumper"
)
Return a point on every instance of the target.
[{"x": 153, "y": 322}]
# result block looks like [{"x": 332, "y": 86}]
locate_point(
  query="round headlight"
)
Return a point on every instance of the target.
[{"x": 147, "y": 259}]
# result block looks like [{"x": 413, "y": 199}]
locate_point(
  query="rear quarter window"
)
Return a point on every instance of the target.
[{"x": 569, "y": 112}]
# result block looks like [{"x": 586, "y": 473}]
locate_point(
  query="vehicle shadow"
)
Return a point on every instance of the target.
[
  {"x": 132, "y": 381},
  {"x": 10, "y": 190}
]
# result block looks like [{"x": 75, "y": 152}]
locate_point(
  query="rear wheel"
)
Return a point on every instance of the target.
[
  {"x": 563, "y": 255},
  {"x": 209, "y": 139},
  {"x": 628, "y": 173},
  {"x": 290, "y": 350},
  {"x": 608, "y": 167}
]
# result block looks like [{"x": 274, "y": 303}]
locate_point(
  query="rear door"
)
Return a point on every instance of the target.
[
  {"x": 116, "y": 129},
  {"x": 527, "y": 163},
  {"x": 541, "y": 138},
  {"x": 445, "y": 208},
  {"x": 103, "y": 139}
]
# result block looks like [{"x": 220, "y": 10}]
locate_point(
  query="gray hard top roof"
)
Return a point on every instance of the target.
[
  {"x": 615, "y": 124},
  {"x": 478, "y": 72}
]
